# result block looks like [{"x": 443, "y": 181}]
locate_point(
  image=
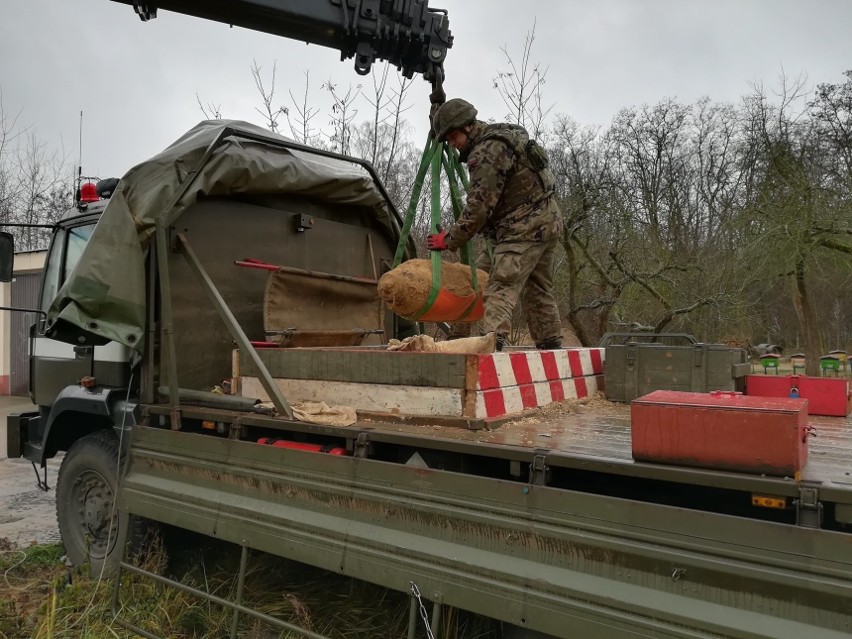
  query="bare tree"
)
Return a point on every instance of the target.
[
  {"x": 343, "y": 113},
  {"x": 43, "y": 194},
  {"x": 270, "y": 112},
  {"x": 384, "y": 139},
  {"x": 300, "y": 122},
  {"x": 398, "y": 106},
  {"x": 718, "y": 178},
  {"x": 521, "y": 87},
  {"x": 581, "y": 164},
  {"x": 211, "y": 111},
  {"x": 801, "y": 216},
  {"x": 639, "y": 201},
  {"x": 379, "y": 103},
  {"x": 34, "y": 187},
  {"x": 831, "y": 110},
  {"x": 9, "y": 134}
]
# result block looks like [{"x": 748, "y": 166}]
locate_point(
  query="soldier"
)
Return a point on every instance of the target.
[{"x": 511, "y": 202}]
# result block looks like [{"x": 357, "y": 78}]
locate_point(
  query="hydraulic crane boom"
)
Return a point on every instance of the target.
[{"x": 406, "y": 33}]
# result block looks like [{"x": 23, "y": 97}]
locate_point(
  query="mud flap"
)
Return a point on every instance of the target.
[{"x": 17, "y": 432}]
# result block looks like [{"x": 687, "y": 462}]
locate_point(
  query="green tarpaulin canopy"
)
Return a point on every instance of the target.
[{"x": 105, "y": 294}]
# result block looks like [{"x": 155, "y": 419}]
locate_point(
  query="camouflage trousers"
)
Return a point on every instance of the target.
[{"x": 519, "y": 270}]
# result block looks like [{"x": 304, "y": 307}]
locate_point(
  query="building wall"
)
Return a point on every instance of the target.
[{"x": 29, "y": 262}]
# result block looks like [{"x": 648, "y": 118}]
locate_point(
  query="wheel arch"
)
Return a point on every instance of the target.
[
  {"x": 68, "y": 426},
  {"x": 78, "y": 412}
]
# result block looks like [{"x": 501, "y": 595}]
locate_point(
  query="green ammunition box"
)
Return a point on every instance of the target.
[{"x": 636, "y": 368}]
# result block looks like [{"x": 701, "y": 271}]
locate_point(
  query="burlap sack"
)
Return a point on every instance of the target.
[
  {"x": 426, "y": 344},
  {"x": 316, "y": 413},
  {"x": 405, "y": 288}
]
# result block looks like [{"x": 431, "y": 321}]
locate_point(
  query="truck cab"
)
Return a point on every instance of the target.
[
  {"x": 294, "y": 253},
  {"x": 54, "y": 363},
  {"x": 56, "y": 366}
]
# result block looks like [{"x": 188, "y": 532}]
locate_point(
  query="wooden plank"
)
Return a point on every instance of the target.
[
  {"x": 375, "y": 398},
  {"x": 446, "y": 370},
  {"x": 235, "y": 372},
  {"x": 428, "y": 401}
]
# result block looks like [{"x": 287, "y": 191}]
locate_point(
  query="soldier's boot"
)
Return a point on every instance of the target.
[
  {"x": 501, "y": 341},
  {"x": 549, "y": 344}
]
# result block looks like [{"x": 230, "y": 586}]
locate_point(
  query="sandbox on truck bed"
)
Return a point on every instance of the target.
[{"x": 470, "y": 389}]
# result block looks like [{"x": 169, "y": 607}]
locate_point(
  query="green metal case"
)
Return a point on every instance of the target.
[{"x": 634, "y": 369}]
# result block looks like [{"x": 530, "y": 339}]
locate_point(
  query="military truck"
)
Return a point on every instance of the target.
[
  {"x": 237, "y": 266},
  {"x": 545, "y": 524}
]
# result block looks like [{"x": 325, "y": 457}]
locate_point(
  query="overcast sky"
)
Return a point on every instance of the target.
[{"x": 136, "y": 82}]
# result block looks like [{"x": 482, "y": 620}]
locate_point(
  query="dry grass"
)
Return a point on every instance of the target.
[{"x": 42, "y": 599}]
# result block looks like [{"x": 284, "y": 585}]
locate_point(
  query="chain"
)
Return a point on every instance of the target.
[{"x": 416, "y": 592}]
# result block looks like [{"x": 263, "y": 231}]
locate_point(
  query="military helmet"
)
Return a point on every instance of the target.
[{"x": 453, "y": 114}]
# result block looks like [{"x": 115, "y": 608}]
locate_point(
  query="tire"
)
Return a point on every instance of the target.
[{"x": 85, "y": 503}]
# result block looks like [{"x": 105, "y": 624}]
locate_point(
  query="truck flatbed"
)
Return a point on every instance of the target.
[
  {"x": 544, "y": 521},
  {"x": 595, "y": 436},
  {"x": 591, "y": 436}
]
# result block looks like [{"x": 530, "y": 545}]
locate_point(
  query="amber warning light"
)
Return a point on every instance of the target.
[{"x": 767, "y": 501}]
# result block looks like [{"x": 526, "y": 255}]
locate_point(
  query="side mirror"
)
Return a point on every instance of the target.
[{"x": 7, "y": 256}]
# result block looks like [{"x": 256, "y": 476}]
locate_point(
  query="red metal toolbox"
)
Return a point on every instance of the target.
[
  {"x": 722, "y": 430},
  {"x": 826, "y": 396}
]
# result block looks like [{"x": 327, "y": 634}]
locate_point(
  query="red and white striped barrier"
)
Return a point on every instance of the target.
[
  {"x": 497, "y": 402},
  {"x": 512, "y": 382},
  {"x": 499, "y": 370}
]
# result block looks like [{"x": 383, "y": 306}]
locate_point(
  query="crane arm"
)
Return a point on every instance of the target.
[{"x": 406, "y": 33}]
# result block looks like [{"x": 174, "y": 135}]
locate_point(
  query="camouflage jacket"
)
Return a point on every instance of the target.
[{"x": 510, "y": 199}]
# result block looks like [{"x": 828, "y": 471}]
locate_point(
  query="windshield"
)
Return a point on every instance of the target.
[
  {"x": 65, "y": 251},
  {"x": 78, "y": 237}
]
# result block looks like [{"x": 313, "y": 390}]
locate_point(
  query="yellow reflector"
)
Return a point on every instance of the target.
[
  {"x": 208, "y": 425},
  {"x": 764, "y": 501}
]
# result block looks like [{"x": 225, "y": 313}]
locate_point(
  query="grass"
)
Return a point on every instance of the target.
[{"x": 41, "y": 598}]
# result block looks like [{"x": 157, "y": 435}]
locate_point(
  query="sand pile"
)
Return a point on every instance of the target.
[{"x": 405, "y": 288}]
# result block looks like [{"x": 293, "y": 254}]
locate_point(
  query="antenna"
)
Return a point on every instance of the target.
[{"x": 79, "y": 162}]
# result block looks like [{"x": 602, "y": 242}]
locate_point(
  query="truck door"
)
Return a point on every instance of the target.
[{"x": 54, "y": 364}]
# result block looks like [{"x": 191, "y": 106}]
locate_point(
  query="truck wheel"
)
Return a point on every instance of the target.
[{"x": 85, "y": 502}]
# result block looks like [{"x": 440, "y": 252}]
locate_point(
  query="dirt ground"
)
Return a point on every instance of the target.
[{"x": 27, "y": 514}]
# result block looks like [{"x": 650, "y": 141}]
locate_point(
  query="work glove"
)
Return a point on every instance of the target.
[{"x": 437, "y": 241}]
